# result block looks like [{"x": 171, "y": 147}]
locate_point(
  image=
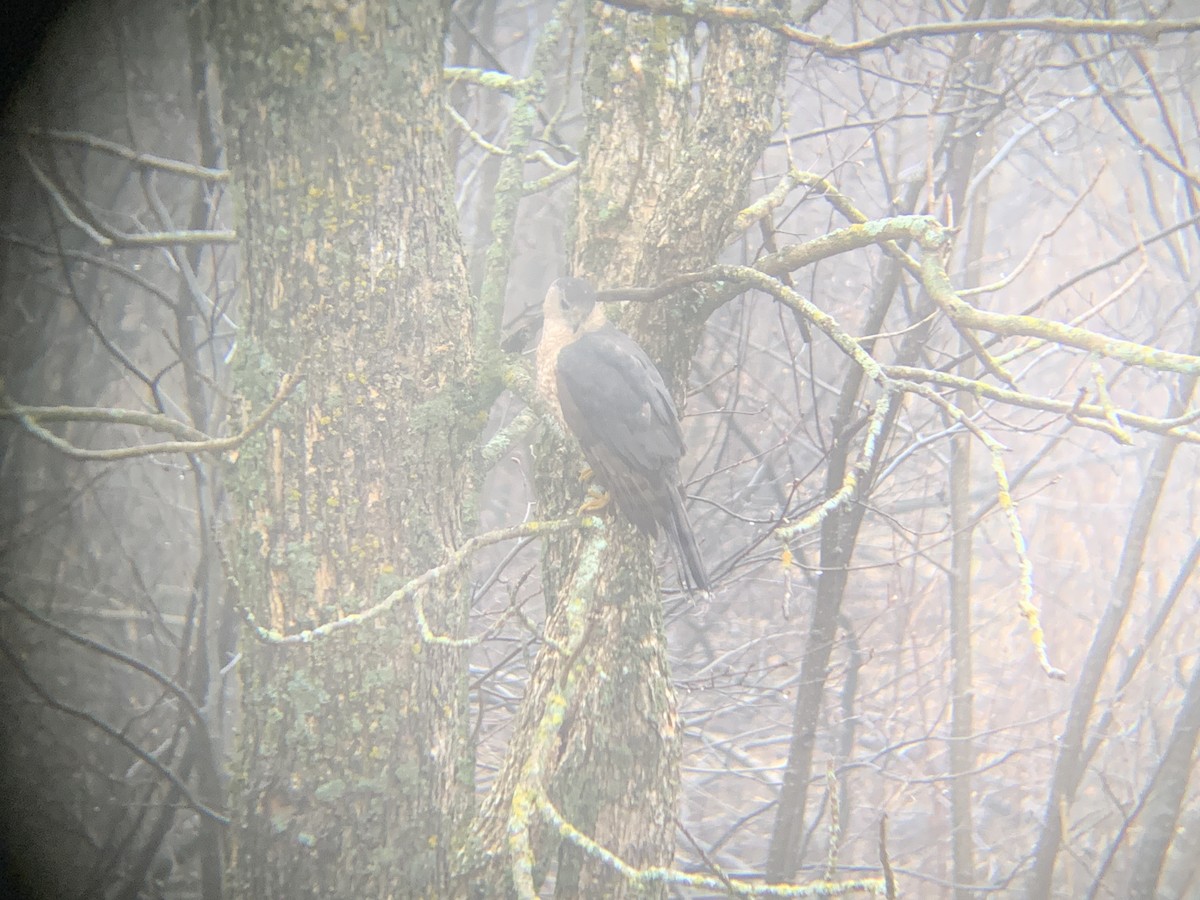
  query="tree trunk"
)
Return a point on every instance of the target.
[
  {"x": 354, "y": 769},
  {"x": 1070, "y": 763},
  {"x": 658, "y": 185},
  {"x": 1166, "y": 796}
]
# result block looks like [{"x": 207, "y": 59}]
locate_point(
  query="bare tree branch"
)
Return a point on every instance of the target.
[
  {"x": 109, "y": 237},
  {"x": 30, "y": 417},
  {"x": 1146, "y": 29},
  {"x": 137, "y": 158}
]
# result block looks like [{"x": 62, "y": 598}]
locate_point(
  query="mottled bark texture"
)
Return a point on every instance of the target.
[
  {"x": 666, "y": 163},
  {"x": 353, "y": 774}
]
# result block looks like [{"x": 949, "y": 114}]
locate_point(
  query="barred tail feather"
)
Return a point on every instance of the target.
[{"x": 683, "y": 546}]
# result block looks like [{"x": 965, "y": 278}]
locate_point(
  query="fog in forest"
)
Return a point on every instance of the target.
[{"x": 303, "y": 590}]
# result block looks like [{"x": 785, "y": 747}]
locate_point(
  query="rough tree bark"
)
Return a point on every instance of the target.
[{"x": 354, "y": 771}]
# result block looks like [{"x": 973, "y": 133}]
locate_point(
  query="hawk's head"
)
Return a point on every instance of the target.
[{"x": 572, "y": 301}]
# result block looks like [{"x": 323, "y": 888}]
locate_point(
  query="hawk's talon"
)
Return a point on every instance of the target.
[{"x": 596, "y": 500}]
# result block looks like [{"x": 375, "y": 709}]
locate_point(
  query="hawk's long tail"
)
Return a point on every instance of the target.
[{"x": 683, "y": 545}]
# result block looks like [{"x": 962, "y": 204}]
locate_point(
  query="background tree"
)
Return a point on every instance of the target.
[
  {"x": 117, "y": 639},
  {"x": 352, "y": 752},
  {"x": 993, "y": 215}
]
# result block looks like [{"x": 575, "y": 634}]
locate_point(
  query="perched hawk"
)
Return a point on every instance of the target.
[{"x": 609, "y": 394}]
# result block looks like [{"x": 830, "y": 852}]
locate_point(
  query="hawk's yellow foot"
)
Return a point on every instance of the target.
[{"x": 596, "y": 500}]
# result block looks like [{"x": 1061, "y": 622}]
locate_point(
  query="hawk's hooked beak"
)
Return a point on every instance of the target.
[{"x": 576, "y": 299}]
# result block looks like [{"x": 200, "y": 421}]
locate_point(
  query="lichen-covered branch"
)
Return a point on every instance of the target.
[
  {"x": 716, "y": 12},
  {"x": 850, "y": 484},
  {"x": 1088, "y": 415},
  {"x": 661, "y": 875},
  {"x": 411, "y": 589},
  {"x": 488, "y": 78},
  {"x": 937, "y": 282},
  {"x": 510, "y": 185},
  {"x": 1025, "y": 602}
]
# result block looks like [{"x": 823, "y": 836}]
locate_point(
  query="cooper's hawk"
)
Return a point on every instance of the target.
[{"x": 610, "y": 396}]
